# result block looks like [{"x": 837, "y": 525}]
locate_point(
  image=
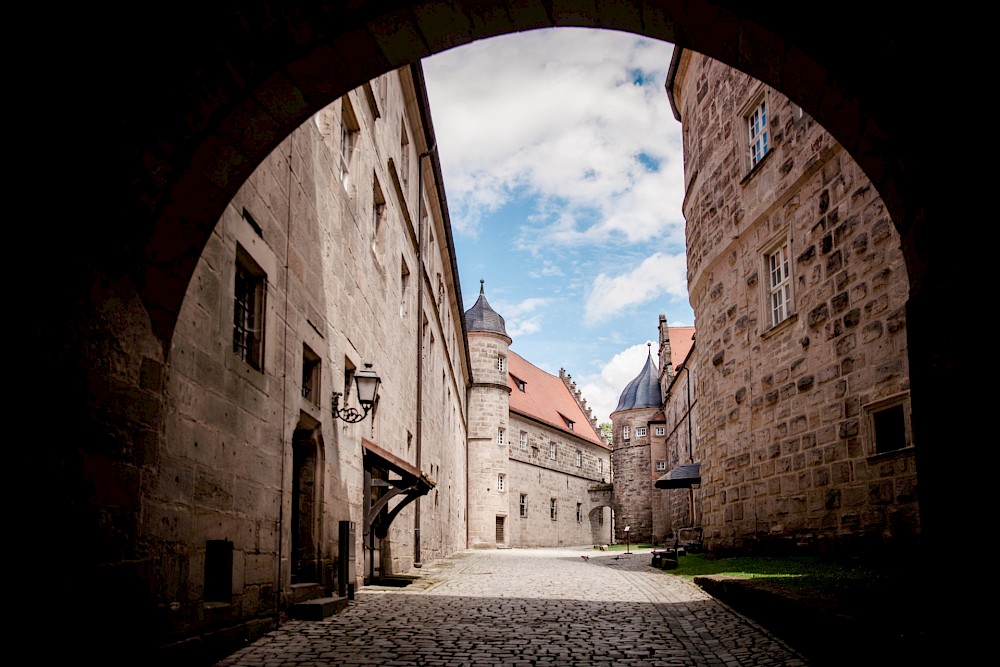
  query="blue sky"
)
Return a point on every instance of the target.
[{"x": 564, "y": 175}]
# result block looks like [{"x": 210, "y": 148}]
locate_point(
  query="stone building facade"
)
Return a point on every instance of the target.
[
  {"x": 799, "y": 289},
  {"x": 335, "y": 254},
  {"x": 538, "y": 468},
  {"x": 640, "y": 439}
]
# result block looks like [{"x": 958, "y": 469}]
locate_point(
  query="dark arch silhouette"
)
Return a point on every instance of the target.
[{"x": 156, "y": 115}]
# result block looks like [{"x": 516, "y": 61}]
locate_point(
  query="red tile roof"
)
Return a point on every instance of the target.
[
  {"x": 547, "y": 399},
  {"x": 681, "y": 342}
]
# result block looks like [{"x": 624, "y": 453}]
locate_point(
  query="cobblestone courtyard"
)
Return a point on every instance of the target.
[{"x": 570, "y": 606}]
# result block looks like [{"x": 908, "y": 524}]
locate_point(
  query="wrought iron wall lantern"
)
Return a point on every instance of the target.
[{"x": 367, "y": 382}]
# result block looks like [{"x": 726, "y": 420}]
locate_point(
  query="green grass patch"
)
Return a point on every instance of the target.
[{"x": 808, "y": 573}]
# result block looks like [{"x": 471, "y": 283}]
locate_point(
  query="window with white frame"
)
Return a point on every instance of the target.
[
  {"x": 757, "y": 132},
  {"x": 579, "y": 458},
  {"x": 552, "y": 451},
  {"x": 779, "y": 284},
  {"x": 661, "y": 465},
  {"x": 501, "y": 363},
  {"x": 501, "y": 482},
  {"x": 660, "y": 430},
  {"x": 640, "y": 431},
  {"x": 626, "y": 433},
  {"x": 553, "y": 509},
  {"x": 600, "y": 464},
  {"x": 524, "y": 505},
  {"x": 522, "y": 441},
  {"x": 500, "y": 434}
]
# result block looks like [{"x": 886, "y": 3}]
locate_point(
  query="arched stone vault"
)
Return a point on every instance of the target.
[{"x": 152, "y": 119}]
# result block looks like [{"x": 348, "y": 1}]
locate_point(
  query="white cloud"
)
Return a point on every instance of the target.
[
  {"x": 558, "y": 115},
  {"x": 522, "y": 318},
  {"x": 657, "y": 275},
  {"x": 602, "y": 391}
]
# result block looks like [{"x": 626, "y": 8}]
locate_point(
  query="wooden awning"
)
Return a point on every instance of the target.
[{"x": 409, "y": 485}]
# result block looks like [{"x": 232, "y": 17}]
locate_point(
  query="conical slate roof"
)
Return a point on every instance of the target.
[
  {"x": 483, "y": 318},
  {"x": 644, "y": 390}
]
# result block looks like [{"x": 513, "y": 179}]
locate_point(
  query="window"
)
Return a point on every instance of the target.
[
  {"x": 553, "y": 510},
  {"x": 522, "y": 441},
  {"x": 552, "y": 451},
  {"x": 887, "y": 425},
  {"x": 310, "y": 375},
  {"x": 779, "y": 285},
  {"x": 524, "y": 505},
  {"x": 660, "y": 430},
  {"x": 759, "y": 141},
  {"x": 349, "y": 133},
  {"x": 499, "y": 436},
  {"x": 600, "y": 465},
  {"x": 501, "y": 363},
  {"x": 579, "y": 512},
  {"x": 378, "y": 214},
  {"x": 625, "y": 433},
  {"x": 600, "y": 518},
  {"x": 640, "y": 431},
  {"x": 404, "y": 156},
  {"x": 404, "y": 289},
  {"x": 248, "y": 310},
  {"x": 661, "y": 465},
  {"x": 218, "y": 571},
  {"x": 579, "y": 458},
  {"x": 501, "y": 482}
]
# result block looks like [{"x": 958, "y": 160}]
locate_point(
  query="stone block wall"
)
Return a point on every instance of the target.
[
  {"x": 786, "y": 445},
  {"x": 245, "y": 448}
]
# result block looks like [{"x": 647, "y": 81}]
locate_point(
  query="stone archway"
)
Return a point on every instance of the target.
[{"x": 170, "y": 114}]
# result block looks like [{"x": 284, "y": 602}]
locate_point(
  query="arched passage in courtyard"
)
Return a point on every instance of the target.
[{"x": 174, "y": 110}]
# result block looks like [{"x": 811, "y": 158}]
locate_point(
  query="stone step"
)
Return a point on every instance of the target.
[{"x": 317, "y": 609}]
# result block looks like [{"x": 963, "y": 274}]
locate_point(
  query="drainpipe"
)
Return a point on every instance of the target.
[{"x": 420, "y": 341}]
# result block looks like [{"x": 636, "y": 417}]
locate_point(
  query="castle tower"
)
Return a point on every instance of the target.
[
  {"x": 630, "y": 454},
  {"x": 489, "y": 401}
]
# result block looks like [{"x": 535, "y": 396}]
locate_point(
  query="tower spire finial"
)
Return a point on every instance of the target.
[{"x": 482, "y": 289}]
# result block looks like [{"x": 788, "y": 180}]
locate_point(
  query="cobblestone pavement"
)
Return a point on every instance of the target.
[{"x": 521, "y": 607}]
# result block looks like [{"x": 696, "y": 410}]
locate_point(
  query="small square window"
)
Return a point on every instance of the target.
[
  {"x": 660, "y": 430},
  {"x": 661, "y": 465},
  {"x": 887, "y": 425},
  {"x": 640, "y": 431}
]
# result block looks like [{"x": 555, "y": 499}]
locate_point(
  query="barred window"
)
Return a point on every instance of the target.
[{"x": 248, "y": 310}]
